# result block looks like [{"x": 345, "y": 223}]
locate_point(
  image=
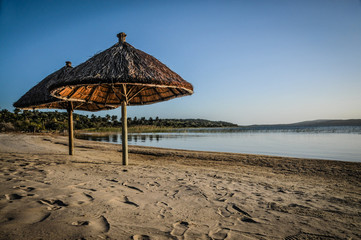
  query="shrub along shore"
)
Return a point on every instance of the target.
[{"x": 36, "y": 121}]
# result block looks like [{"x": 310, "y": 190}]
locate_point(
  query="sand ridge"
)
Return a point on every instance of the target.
[{"x": 170, "y": 194}]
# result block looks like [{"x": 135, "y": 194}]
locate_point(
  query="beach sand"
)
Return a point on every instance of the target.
[{"x": 170, "y": 194}]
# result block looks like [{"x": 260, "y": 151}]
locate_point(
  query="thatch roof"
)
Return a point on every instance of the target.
[
  {"x": 122, "y": 73},
  {"x": 39, "y": 96}
]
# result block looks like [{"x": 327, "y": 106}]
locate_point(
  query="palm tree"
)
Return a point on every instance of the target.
[
  {"x": 114, "y": 118},
  {"x": 107, "y": 117}
]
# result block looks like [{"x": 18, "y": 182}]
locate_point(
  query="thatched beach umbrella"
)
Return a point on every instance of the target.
[
  {"x": 39, "y": 97},
  {"x": 122, "y": 75}
]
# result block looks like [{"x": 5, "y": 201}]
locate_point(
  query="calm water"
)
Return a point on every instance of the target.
[{"x": 335, "y": 143}]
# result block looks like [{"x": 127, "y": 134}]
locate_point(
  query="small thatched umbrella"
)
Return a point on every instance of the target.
[
  {"x": 39, "y": 97},
  {"x": 122, "y": 75}
]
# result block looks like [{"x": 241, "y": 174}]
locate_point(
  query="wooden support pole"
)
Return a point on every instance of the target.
[
  {"x": 70, "y": 128},
  {"x": 124, "y": 134}
]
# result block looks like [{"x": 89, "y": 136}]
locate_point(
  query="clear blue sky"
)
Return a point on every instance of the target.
[{"x": 251, "y": 61}]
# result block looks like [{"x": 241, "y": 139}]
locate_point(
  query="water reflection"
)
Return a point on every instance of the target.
[
  {"x": 133, "y": 138},
  {"x": 337, "y": 143}
]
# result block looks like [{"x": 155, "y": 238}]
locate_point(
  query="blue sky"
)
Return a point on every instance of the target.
[{"x": 250, "y": 62}]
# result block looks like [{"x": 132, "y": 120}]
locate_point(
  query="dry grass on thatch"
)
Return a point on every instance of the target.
[
  {"x": 39, "y": 96},
  {"x": 122, "y": 73}
]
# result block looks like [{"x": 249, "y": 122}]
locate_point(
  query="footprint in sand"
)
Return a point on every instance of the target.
[
  {"x": 154, "y": 184},
  {"x": 80, "y": 198},
  {"x": 179, "y": 228},
  {"x": 140, "y": 237},
  {"x": 224, "y": 197},
  {"x": 119, "y": 201},
  {"x": 165, "y": 213},
  {"x": 245, "y": 217},
  {"x": 165, "y": 210},
  {"x": 90, "y": 197},
  {"x": 27, "y": 215},
  {"x": 197, "y": 232},
  {"x": 13, "y": 196},
  {"x": 223, "y": 212},
  {"x": 127, "y": 201},
  {"x": 219, "y": 233},
  {"x": 132, "y": 187},
  {"x": 164, "y": 206},
  {"x": 24, "y": 188},
  {"x": 248, "y": 220},
  {"x": 82, "y": 186},
  {"x": 80, "y": 223},
  {"x": 234, "y": 210},
  {"x": 112, "y": 180},
  {"x": 100, "y": 224},
  {"x": 53, "y": 204}
]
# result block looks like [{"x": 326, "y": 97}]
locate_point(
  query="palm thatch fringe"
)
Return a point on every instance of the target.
[
  {"x": 39, "y": 96},
  {"x": 122, "y": 73}
]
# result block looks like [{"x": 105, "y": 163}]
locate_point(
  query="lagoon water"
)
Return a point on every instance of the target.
[{"x": 334, "y": 143}]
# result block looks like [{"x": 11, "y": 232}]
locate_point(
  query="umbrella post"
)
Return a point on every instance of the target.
[
  {"x": 124, "y": 134},
  {"x": 70, "y": 128}
]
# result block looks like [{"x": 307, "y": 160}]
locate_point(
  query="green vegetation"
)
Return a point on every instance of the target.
[{"x": 36, "y": 121}]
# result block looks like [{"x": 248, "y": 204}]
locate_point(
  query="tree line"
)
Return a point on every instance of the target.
[{"x": 37, "y": 121}]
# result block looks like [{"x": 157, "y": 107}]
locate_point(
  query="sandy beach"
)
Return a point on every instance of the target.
[{"x": 170, "y": 194}]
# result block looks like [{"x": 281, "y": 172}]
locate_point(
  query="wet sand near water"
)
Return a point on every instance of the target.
[{"x": 170, "y": 194}]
